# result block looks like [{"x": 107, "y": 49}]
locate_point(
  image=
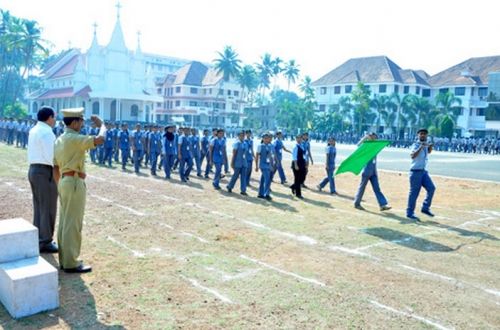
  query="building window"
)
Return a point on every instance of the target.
[
  {"x": 480, "y": 112},
  {"x": 426, "y": 92},
  {"x": 336, "y": 90},
  {"x": 443, "y": 90},
  {"x": 210, "y": 91},
  {"x": 348, "y": 89},
  {"x": 322, "y": 90},
  {"x": 178, "y": 89},
  {"x": 159, "y": 91},
  {"x": 482, "y": 91},
  {"x": 223, "y": 107},
  {"x": 177, "y": 103},
  {"x": 382, "y": 88},
  {"x": 221, "y": 92},
  {"x": 134, "y": 111},
  {"x": 229, "y": 92},
  {"x": 234, "y": 106},
  {"x": 459, "y": 91},
  {"x": 472, "y": 91},
  {"x": 322, "y": 107},
  {"x": 396, "y": 89},
  {"x": 236, "y": 93},
  {"x": 417, "y": 90},
  {"x": 406, "y": 89},
  {"x": 194, "y": 90},
  {"x": 95, "y": 108},
  {"x": 158, "y": 104},
  {"x": 193, "y": 103}
]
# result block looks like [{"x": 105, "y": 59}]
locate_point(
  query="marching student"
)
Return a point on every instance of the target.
[
  {"x": 195, "y": 142},
  {"x": 331, "y": 153},
  {"x": 137, "y": 147},
  {"x": 154, "y": 148},
  {"x": 265, "y": 161},
  {"x": 109, "y": 143},
  {"x": 306, "y": 144},
  {"x": 209, "y": 162},
  {"x": 370, "y": 175},
  {"x": 278, "y": 149},
  {"x": 93, "y": 152},
  {"x": 169, "y": 150},
  {"x": 185, "y": 155},
  {"x": 205, "y": 147},
  {"x": 239, "y": 164},
  {"x": 299, "y": 166},
  {"x": 218, "y": 154},
  {"x": 250, "y": 155},
  {"x": 124, "y": 145}
]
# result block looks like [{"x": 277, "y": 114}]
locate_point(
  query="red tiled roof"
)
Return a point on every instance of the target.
[
  {"x": 57, "y": 93},
  {"x": 66, "y": 69},
  {"x": 84, "y": 92}
]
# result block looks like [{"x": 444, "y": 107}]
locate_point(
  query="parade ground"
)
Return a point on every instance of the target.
[{"x": 168, "y": 255}]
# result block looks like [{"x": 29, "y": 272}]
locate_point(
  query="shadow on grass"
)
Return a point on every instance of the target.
[
  {"x": 408, "y": 240},
  {"x": 460, "y": 231},
  {"x": 392, "y": 216},
  {"x": 77, "y": 307}
]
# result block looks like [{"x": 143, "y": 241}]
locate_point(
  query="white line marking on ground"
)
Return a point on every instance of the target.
[
  {"x": 421, "y": 271},
  {"x": 166, "y": 226},
  {"x": 209, "y": 290},
  {"x": 201, "y": 239},
  {"x": 355, "y": 252},
  {"x": 122, "y": 245},
  {"x": 495, "y": 292},
  {"x": 300, "y": 238},
  {"x": 414, "y": 316},
  {"x": 228, "y": 277},
  {"x": 129, "y": 209},
  {"x": 301, "y": 278}
]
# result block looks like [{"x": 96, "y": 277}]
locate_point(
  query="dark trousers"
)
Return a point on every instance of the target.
[
  {"x": 298, "y": 179},
  {"x": 44, "y": 191}
]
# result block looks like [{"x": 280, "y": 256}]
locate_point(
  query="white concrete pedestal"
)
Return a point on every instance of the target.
[{"x": 28, "y": 283}]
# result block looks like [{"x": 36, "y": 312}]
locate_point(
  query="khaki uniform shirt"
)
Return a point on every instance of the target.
[{"x": 69, "y": 151}]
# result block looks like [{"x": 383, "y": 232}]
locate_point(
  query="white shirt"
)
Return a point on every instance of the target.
[{"x": 41, "y": 144}]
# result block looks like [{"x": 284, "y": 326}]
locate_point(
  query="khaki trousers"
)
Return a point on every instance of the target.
[{"x": 72, "y": 197}]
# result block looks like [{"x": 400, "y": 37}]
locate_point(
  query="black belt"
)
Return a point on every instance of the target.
[
  {"x": 41, "y": 166},
  {"x": 417, "y": 170}
]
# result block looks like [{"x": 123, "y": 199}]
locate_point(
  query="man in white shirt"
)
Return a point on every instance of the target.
[{"x": 43, "y": 186}]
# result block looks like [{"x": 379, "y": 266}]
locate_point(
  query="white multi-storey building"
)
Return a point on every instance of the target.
[
  {"x": 196, "y": 95},
  {"x": 468, "y": 81}
]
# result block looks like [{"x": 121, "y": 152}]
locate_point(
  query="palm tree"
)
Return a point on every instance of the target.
[
  {"x": 345, "y": 109},
  {"x": 399, "y": 104},
  {"x": 448, "y": 104},
  {"x": 380, "y": 103},
  {"x": 265, "y": 72},
  {"x": 277, "y": 69},
  {"x": 306, "y": 88},
  {"x": 228, "y": 65},
  {"x": 248, "y": 80},
  {"x": 291, "y": 73},
  {"x": 361, "y": 98}
]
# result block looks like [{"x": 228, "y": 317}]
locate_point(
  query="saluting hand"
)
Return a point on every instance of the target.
[{"x": 96, "y": 120}]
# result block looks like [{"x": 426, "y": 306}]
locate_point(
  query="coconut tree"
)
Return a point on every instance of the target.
[
  {"x": 265, "y": 72},
  {"x": 291, "y": 73},
  {"x": 248, "y": 80},
  {"x": 361, "y": 99},
  {"x": 448, "y": 104},
  {"x": 379, "y": 103},
  {"x": 345, "y": 109},
  {"x": 227, "y": 65},
  {"x": 277, "y": 68}
]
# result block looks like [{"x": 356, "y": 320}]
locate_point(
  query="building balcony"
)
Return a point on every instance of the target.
[{"x": 478, "y": 102}]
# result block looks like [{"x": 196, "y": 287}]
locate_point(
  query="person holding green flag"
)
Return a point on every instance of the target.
[{"x": 370, "y": 175}]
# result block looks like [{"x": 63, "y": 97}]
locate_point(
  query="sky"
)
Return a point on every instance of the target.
[{"x": 319, "y": 34}]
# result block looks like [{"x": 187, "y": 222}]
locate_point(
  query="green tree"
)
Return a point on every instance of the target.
[
  {"x": 265, "y": 72},
  {"x": 248, "y": 81},
  {"x": 228, "y": 65},
  {"x": 291, "y": 73},
  {"x": 380, "y": 103},
  {"x": 277, "y": 69},
  {"x": 16, "y": 110},
  {"x": 446, "y": 126},
  {"x": 361, "y": 101},
  {"x": 345, "y": 110},
  {"x": 448, "y": 105}
]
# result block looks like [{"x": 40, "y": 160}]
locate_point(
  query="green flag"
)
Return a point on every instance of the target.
[{"x": 361, "y": 156}]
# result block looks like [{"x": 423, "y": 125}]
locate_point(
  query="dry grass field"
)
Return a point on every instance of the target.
[{"x": 168, "y": 255}]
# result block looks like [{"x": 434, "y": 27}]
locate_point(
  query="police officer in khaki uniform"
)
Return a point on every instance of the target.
[{"x": 69, "y": 169}]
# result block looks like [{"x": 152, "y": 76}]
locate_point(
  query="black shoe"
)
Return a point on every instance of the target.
[
  {"x": 79, "y": 269},
  {"x": 359, "y": 207},
  {"x": 293, "y": 190},
  {"x": 216, "y": 187},
  {"x": 187, "y": 178},
  {"x": 49, "y": 248},
  {"x": 244, "y": 193},
  {"x": 260, "y": 196},
  {"x": 199, "y": 175},
  {"x": 269, "y": 198},
  {"x": 413, "y": 217},
  {"x": 206, "y": 177},
  {"x": 428, "y": 212},
  {"x": 300, "y": 197},
  {"x": 229, "y": 190}
]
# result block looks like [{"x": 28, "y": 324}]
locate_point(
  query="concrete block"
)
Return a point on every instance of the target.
[
  {"x": 18, "y": 240},
  {"x": 28, "y": 286}
]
